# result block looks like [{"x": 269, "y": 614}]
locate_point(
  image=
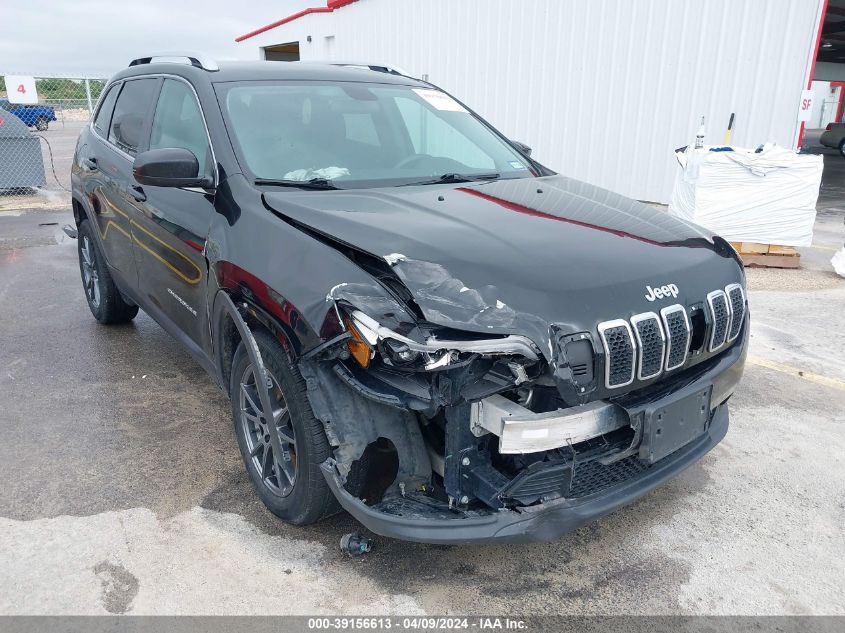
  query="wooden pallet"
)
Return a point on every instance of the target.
[{"x": 767, "y": 255}]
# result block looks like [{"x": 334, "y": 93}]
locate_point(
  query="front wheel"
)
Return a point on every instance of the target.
[
  {"x": 842, "y": 148},
  {"x": 41, "y": 124},
  {"x": 288, "y": 480}
]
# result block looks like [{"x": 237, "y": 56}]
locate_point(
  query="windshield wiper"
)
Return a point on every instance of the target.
[
  {"x": 451, "y": 177},
  {"x": 313, "y": 183}
]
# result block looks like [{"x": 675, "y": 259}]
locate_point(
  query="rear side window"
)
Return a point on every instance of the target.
[
  {"x": 132, "y": 105},
  {"x": 101, "y": 123},
  {"x": 178, "y": 122}
]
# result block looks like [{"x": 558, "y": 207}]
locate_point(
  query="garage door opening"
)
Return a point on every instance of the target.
[
  {"x": 829, "y": 71},
  {"x": 282, "y": 52}
]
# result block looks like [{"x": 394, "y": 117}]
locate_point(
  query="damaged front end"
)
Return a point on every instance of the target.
[{"x": 446, "y": 436}]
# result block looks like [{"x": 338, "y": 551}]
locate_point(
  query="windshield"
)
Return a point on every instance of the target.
[{"x": 361, "y": 135}]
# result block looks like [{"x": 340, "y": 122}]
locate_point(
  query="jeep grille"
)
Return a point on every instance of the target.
[{"x": 652, "y": 343}]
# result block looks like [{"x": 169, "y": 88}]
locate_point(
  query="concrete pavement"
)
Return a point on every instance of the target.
[{"x": 123, "y": 489}]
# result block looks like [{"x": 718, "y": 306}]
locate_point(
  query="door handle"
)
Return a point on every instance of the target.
[
  {"x": 138, "y": 193},
  {"x": 90, "y": 163}
]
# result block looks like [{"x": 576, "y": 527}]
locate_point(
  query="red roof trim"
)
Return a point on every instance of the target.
[{"x": 331, "y": 5}]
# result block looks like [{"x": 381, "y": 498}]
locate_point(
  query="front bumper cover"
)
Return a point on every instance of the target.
[
  {"x": 550, "y": 520},
  {"x": 543, "y": 522}
]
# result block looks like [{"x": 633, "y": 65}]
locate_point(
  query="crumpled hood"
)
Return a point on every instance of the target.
[{"x": 518, "y": 256}]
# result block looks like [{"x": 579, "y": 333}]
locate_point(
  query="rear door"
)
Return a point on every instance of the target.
[
  {"x": 118, "y": 133},
  {"x": 170, "y": 233}
]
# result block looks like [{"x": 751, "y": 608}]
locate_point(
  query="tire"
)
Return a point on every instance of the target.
[
  {"x": 41, "y": 124},
  {"x": 842, "y": 148},
  {"x": 103, "y": 297},
  {"x": 304, "y": 497}
]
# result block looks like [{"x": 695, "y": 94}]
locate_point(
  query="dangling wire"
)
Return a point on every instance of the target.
[{"x": 52, "y": 164}]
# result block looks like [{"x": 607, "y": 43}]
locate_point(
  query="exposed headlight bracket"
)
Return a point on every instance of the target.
[{"x": 439, "y": 350}]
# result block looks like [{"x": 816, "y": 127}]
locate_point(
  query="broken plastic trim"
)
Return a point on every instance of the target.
[
  {"x": 372, "y": 331},
  {"x": 254, "y": 358}
]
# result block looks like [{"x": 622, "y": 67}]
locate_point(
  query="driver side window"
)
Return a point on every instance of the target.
[
  {"x": 178, "y": 122},
  {"x": 431, "y": 134}
]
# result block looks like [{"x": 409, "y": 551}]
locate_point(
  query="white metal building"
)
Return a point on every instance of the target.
[{"x": 602, "y": 90}]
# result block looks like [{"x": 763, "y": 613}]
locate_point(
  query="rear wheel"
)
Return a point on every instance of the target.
[
  {"x": 104, "y": 299},
  {"x": 289, "y": 482},
  {"x": 41, "y": 124},
  {"x": 842, "y": 148}
]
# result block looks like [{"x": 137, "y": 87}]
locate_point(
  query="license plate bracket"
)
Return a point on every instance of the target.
[{"x": 671, "y": 426}]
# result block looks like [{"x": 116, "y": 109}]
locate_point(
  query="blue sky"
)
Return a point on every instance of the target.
[{"x": 98, "y": 37}]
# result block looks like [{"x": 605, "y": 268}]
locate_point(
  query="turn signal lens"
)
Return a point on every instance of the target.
[{"x": 358, "y": 347}]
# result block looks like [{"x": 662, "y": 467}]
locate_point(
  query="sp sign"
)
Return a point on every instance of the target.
[{"x": 805, "y": 110}]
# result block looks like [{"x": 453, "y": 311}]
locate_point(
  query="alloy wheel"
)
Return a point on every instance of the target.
[
  {"x": 277, "y": 472},
  {"x": 90, "y": 274}
]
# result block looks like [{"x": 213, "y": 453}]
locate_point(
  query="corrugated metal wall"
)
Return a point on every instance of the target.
[{"x": 603, "y": 90}]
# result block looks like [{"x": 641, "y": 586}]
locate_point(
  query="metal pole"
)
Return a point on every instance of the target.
[{"x": 88, "y": 94}]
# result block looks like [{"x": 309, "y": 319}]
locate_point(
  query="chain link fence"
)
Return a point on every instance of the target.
[{"x": 40, "y": 120}]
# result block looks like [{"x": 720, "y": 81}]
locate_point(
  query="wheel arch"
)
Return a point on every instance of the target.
[
  {"x": 258, "y": 306},
  {"x": 228, "y": 315},
  {"x": 234, "y": 318},
  {"x": 79, "y": 213}
]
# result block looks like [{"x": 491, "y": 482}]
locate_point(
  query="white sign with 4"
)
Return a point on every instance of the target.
[{"x": 21, "y": 89}]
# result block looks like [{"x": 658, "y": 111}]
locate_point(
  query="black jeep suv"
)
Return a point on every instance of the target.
[{"x": 413, "y": 319}]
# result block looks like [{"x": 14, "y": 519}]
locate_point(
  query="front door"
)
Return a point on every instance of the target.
[{"x": 170, "y": 232}]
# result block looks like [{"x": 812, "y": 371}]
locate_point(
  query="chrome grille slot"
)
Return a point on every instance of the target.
[
  {"x": 618, "y": 353},
  {"x": 721, "y": 315},
  {"x": 651, "y": 345},
  {"x": 677, "y": 330},
  {"x": 736, "y": 303}
]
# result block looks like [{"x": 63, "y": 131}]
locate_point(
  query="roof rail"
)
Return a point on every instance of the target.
[
  {"x": 378, "y": 67},
  {"x": 194, "y": 59},
  {"x": 381, "y": 68}
]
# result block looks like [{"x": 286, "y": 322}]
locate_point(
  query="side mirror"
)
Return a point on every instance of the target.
[
  {"x": 522, "y": 147},
  {"x": 169, "y": 167}
]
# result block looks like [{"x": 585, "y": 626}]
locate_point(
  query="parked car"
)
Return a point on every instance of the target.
[
  {"x": 37, "y": 116},
  {"x": 413, "y": 319},
  {"x": 834, "y": 136}
]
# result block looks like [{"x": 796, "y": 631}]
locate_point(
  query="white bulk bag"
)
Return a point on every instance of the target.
[
  {"x": 838, "y": 262},
  {"x": 768, "y": 197}
]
